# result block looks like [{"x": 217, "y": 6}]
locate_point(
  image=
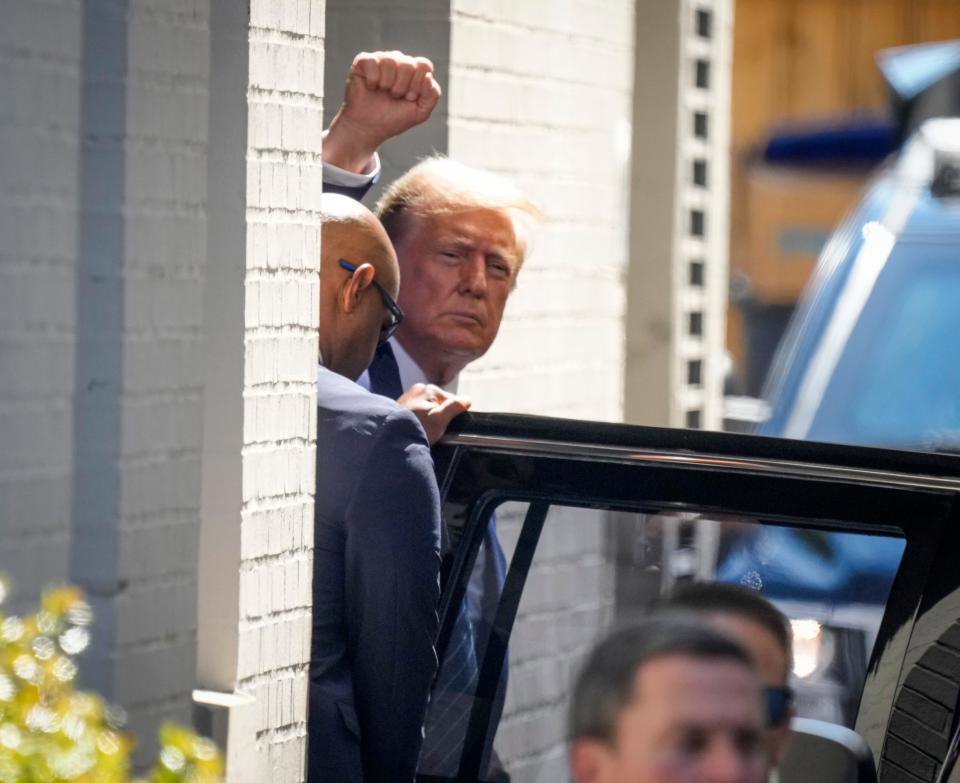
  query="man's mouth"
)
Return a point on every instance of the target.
[{"x": 472, "y": 318}]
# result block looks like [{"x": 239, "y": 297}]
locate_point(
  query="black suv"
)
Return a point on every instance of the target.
[{"x": 593, "y": 517}]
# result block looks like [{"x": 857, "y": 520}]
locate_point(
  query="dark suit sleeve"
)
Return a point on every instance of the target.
[
  {"x": 356, "y": 194},
  {"x": 392, "y": 591}
]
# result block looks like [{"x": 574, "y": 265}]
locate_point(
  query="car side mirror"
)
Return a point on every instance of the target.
[{"x": 826, "y": 753}]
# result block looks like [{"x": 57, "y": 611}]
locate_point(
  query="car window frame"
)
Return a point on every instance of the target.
[{"x": 490, "y": 458}]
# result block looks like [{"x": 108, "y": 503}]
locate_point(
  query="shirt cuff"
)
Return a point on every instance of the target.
[{"x": 334, "y": 175}]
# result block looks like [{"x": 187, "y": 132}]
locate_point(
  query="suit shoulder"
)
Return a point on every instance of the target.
[{"x": 341, "y": 401}]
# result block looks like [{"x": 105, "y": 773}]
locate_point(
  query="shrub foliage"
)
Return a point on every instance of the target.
[{"x": 50, "y": 732}]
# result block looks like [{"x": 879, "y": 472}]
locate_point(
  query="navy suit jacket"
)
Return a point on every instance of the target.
[
  {"x": 375, "y": 587},
  {"x": 480, "y": 605}
]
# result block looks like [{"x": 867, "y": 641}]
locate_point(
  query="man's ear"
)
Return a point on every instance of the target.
[
  {"x": 352, "y": 290},
  {"x": 589, "y": 759}
]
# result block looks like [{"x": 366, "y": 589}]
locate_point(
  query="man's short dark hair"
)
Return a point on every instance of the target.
[
  {"x": 727, "y": 598},
  {"x": 605, "y": 685}
]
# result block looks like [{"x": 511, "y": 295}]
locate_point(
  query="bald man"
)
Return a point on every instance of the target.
[{"x": 377, "y": 524}]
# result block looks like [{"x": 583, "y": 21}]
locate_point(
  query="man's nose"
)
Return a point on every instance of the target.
[
  {"x": 473, "y": 275},
  {"x": 727, "y": 764}
]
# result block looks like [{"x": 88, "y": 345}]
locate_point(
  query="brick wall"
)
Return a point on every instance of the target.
[
  {"x": 542, "y": 93},
  {"x": 104, "y": 357},
  {"x": 137, "y": 434},
  {"x": 284, "y": 183},
  {"x": 40, "y": 55}
]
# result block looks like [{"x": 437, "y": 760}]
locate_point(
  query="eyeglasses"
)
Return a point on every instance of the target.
[
  {"x": 778, "y": 703},
  {"x": 396, "y": 314}
]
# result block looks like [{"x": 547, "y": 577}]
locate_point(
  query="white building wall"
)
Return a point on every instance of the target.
[
  {"x": 677, "y": 284},
  {"x": 137, "y": 402},
  {"x": 261, "y": 344},
  {"x": 541, "y": 93},
  {"x": 39, "y": 182},
  {"x": 106, "y": 231},
  {"x": 284, "y": 183}
]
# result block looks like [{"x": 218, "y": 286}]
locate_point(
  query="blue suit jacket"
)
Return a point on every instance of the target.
[
  {"x": 375, "y": 587},
  {"x": 479, "y": 607}
]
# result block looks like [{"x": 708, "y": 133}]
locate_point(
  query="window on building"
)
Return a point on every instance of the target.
[
  {"x": 696, "y": 274},
  {"x": 701, "y": 124},
  {"x": 700, "y": 173},
  {"x": 697, "y": 223},
  {"x": 702, "y": 74},
  {"x": 695, "y": 324},
  {"x": 704, "y": 23}
]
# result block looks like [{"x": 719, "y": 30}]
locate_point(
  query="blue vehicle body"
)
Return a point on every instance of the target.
[{"x": 871, "y": 357}]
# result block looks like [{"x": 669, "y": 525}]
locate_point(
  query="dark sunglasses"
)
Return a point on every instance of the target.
[
  {"x": 778, "y": 703},
  {"x": 396, "y": 314}
]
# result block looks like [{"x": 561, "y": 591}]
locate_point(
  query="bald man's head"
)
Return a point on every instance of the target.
[
  {"x": 352, "y": 309},
  {"x": 353, "y": 232}
]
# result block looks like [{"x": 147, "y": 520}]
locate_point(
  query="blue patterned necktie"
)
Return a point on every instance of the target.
[
  {"x": 384, "y": 373},
  {"x": 455, "y": 688},
  {"x": 450, "y": 702}
]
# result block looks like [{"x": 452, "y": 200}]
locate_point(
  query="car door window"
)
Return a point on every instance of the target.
[
  {"x": 596, "y": 567},
  {"x": 598, "y": 520}
]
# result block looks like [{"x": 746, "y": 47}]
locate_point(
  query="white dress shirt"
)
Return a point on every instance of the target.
[{"x": 334, "y": 175}]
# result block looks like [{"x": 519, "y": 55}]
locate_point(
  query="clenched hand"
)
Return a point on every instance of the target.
[{"x": 387, "y": 93}]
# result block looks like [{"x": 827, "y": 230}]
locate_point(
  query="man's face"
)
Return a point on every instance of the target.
[
  {"x": 457, "y": 271},
  {"x": 354, "y": 317},
  {"x": 692, "y": 720},
  {"x": 368, "y": 321}
]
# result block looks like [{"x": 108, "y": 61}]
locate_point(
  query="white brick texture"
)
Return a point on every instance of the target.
[
  {"x": 102, "y": 237},
  {"x": 139, "y": 327},
  {"x": 284, "y": 183},
  {"x": 541, "y": 93},
  {"x": 39, "y": 181}
]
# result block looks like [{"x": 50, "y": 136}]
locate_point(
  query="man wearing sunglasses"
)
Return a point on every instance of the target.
[
  {"x": 376, "y": 525},
  {"x": 668, "y": 700},
  {"x": 764, "y": 631}
]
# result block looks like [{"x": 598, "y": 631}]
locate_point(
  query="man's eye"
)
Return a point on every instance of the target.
[
  {"x": 691, "y": 743},
  {"x": 450, "y": 255},
  {"x": 499, "y": 269},
  {"x": 748, "y": 742}
]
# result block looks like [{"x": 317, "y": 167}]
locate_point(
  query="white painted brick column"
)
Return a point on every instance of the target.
[
  {"x": 137, "y": 435},
  {"x": 284, "y": 184},
  {"x": 260, "y": 452},
  {"x": 40, "y": 55}
]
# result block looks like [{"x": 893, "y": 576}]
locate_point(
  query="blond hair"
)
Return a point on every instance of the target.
[{"x": 438, "y": 185}]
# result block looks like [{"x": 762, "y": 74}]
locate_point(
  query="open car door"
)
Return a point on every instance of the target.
[{"x": 597, "y": 520}]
